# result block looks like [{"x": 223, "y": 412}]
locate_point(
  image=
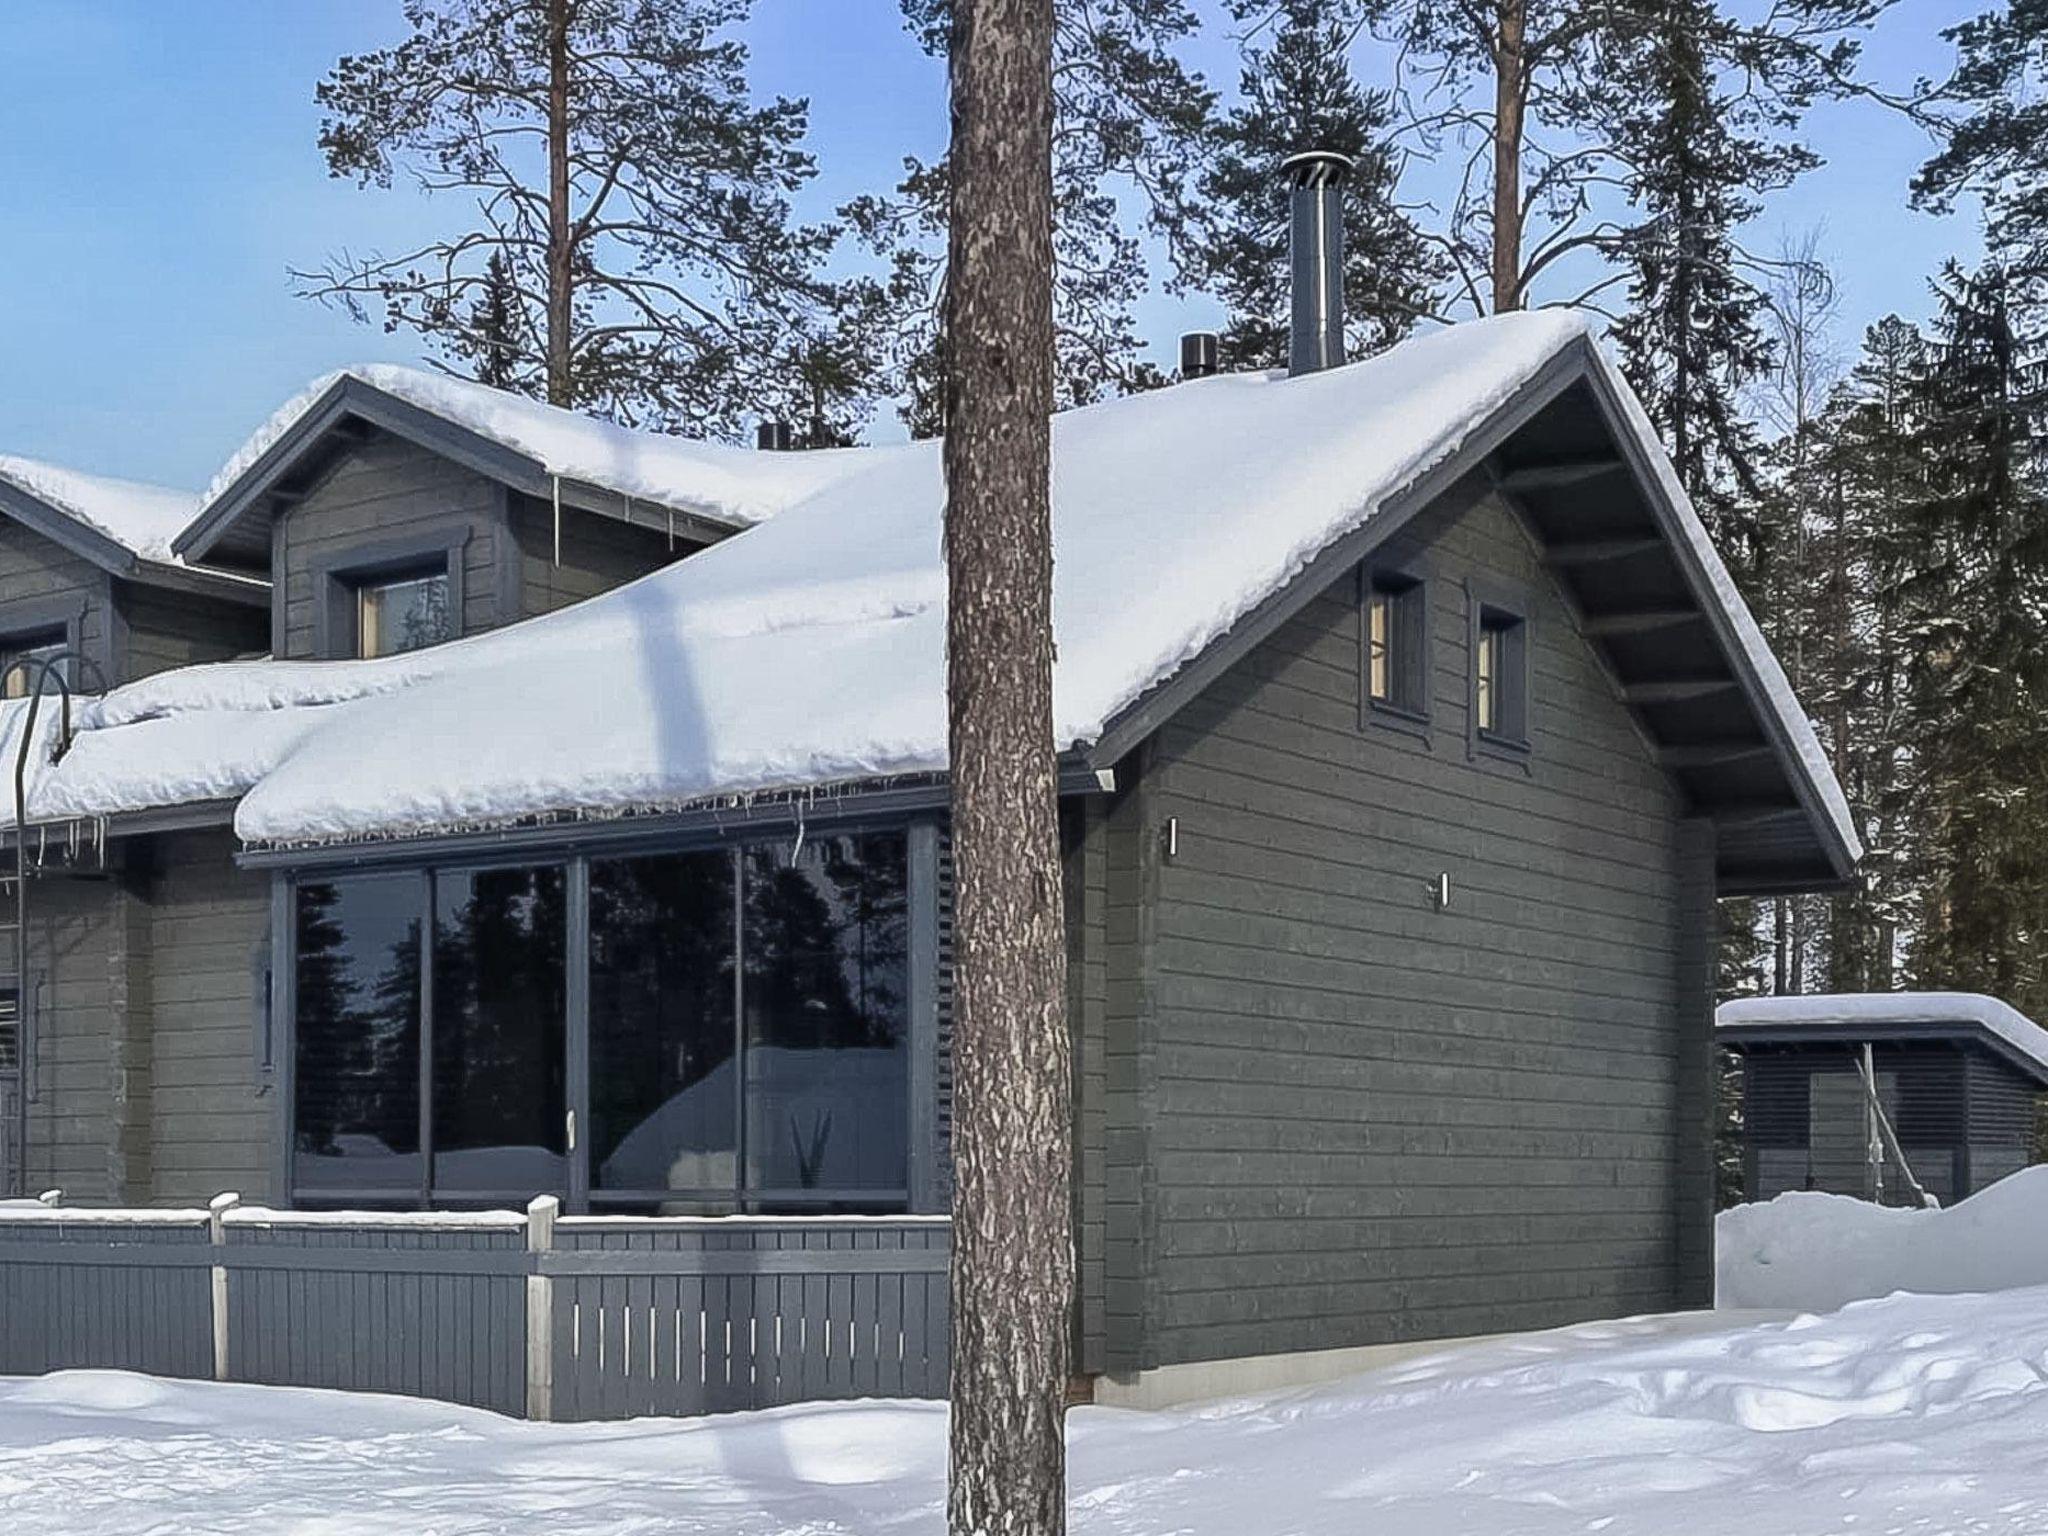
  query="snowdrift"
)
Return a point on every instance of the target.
[{"x": 1814, "y": 1253}]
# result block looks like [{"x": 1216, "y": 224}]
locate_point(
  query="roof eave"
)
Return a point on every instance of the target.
[
  {"x": 350, "y": 397},
  {"x": 1465, "y": 472},
  {"x": 61, "y": 528}
]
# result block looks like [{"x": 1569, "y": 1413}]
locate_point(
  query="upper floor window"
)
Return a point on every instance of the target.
[
  {"x": 1500, "y": 675},
  {"x": 21, "y": 657},
  {"x": 1396, "y": 661},
  {"x": 402, "y": 613}
]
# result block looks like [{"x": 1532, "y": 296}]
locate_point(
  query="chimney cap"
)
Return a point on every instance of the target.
[
  {"x": 773, "y": 437},
  {"x": 1198, "y": 351},
  {"x": 1317, "y": 167}
]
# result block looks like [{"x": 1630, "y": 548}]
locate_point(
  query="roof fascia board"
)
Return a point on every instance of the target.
[
  {"x": 60, "y": 528},
  {"x": 218, "y": 515},
  {"x": 1657, "y": 494},
  {"x": 923, "y": 794},
  {"x": 1463, "y": 474},
  {"x": 250, "y": 591},
  {"x": 351, "y": 397}
]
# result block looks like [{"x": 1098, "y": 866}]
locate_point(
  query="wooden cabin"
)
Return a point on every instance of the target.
[
  {"x": 1961, "y": 1084},
  {"x": 1409, "y": 730}
]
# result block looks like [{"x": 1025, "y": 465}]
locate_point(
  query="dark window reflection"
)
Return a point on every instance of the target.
[
  {"x": 662, "y": 1091},
  {"x": 826, "y": 1003},
  {"x": 499, "y": 1010},
  {"x": 356, "y": 1112}
]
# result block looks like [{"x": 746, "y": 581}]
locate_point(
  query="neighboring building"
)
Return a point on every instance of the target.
[
  {"x": 1960, "y": 1084},
  {"x": 1409, "y": 725}
]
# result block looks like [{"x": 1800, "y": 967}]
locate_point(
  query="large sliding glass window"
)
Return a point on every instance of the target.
[
  {"x": 500, "y": 1011},
  {"x": 664, "y": 1091},
  {"x": 356, "y": 1119},
  {"x": 747, "y": 1044}
]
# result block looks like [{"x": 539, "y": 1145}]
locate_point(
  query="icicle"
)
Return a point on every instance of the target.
[
  {"x": 671, "y": 529},
  {"x": 796, "y": 852},
  {"x": 629, "y": 511},
  {"x": 555, "y": 481}
]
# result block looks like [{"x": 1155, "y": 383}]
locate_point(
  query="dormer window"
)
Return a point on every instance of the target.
[
  {"x": 21, "y": 658},
  {"x": 402, "y": 613}
]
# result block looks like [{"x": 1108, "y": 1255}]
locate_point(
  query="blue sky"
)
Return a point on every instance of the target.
[{"x": 161, "y": 174}]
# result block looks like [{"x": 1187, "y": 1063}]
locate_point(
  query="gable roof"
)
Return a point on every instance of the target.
[
  {"x": 711, "y": 488},
  {"x": 808, "y": 652},
  {"x": 1853, "y": 1017},
  {"x": 122, "y": 526}
]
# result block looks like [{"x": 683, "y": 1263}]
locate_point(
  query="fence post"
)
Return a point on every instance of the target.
[
  {"x": 216, "y": 1229},
  {"x": 540, "y": 1312}
]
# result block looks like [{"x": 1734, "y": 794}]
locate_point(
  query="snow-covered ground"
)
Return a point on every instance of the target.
[{"x": 1903, "y": 1415}]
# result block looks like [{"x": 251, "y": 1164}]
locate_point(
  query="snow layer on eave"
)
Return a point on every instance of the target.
[
  {"x": 809, "y": 652},
  {"x": 729, "y": 485},
  {"x": 1784, "y": 703},
  {"x": 1846, "y": 1011},
  {"x": 142, "y": 519}
]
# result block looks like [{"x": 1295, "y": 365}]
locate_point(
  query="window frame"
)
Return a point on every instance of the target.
[
  {"x": 1504, "y": 612},
  {"x": 62, "y": 616},
  {"x": 1406, "y": 583},
  {"x": 338, "y": 580},
  {"x": 924, "y": 1172}
]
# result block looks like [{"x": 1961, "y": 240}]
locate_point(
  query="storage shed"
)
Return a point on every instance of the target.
[{"x": 1959, "y": 1080}]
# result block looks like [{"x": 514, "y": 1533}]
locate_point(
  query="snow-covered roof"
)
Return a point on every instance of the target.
[
  {"x": 142, "y": 519},
  {"x": 1884, "y": 1015},
  {"x": 809, "y": 651},
  {"x": 724, "y": 486}
]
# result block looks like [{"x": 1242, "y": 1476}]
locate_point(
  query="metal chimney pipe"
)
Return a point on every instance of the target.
[
  {"x": 1198, "y": 351},
  {"x": 773, "y": 437},
  {"x": 1315, "y": 199}
]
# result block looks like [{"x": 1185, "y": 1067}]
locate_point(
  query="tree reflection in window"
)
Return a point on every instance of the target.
[
  {"x": 356, "y": 1108},
  {"x": 825, "y": 997},
  {"x": 499, "y": 1022}
]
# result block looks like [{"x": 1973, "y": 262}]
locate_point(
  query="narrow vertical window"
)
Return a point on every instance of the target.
[
  {"x": 1500, "y": 677},
  {"x": 1396, "y": 663}
]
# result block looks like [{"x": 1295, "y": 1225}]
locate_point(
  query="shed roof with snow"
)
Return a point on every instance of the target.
[
  {"x": 1857, "y": 1017},
  {"x": 807, "y": 653}
]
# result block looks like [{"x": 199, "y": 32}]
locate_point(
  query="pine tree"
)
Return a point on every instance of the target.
[
  {"x": 1977, "y": 676},
  {"x": 1013, "y": 1251},
  {"x": 1299, "y": 93},
  {"x": 1130, "y": 119},
  {"x": 628, "y": 245},
  {"x": 1526, "y": 91},
  {"x": 1693, "y": 337},
  {"x": 1997, "y": 148},
  {"x": 1872, "y": 441}
]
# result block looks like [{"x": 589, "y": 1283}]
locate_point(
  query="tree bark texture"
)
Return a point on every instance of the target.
[
  {"x": 1510, "y": 109},
  {"x": 561, "y": 311},
  {"x": 1013, "y": 1265}
]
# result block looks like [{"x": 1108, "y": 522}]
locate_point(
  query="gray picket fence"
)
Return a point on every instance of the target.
[{"x": 545, "y": 1316}]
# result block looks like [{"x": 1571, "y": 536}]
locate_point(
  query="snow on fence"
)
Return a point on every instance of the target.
[{"x": 545, "y": 1316}]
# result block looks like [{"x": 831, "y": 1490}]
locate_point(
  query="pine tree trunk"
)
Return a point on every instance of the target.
[
  {"x": 560, "y": 271},
  {"x": 1510, "y": 106},
  {"x": 1012, "y": 1238}
]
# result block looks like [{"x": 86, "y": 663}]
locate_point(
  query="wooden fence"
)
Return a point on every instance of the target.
[{"x": 546, "y": 1316}]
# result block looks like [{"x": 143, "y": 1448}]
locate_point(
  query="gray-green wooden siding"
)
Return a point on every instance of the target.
[
  {"x": 145, "y": 985},
  {"x": 1318, "y": 1113},
  {"x": 385, "y": 489}
]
